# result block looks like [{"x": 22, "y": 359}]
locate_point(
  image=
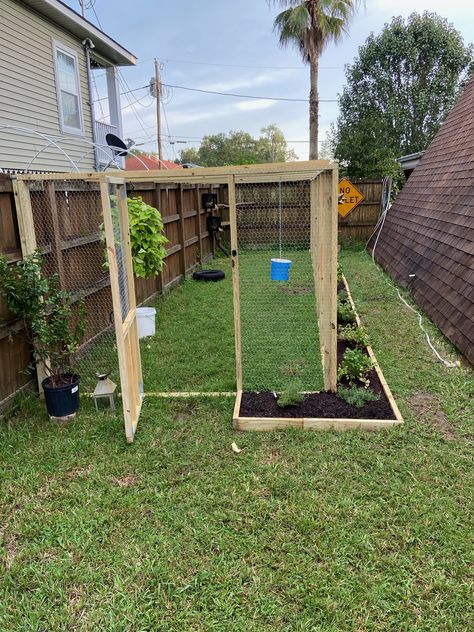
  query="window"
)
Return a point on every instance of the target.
[{"x": 68, "y": 89}]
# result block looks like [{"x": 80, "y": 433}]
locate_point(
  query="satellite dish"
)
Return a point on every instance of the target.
[{"x": 117, "y": 144}]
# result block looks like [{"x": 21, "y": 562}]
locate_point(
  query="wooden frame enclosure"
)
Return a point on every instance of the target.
[{"x": 322, "y": 176}]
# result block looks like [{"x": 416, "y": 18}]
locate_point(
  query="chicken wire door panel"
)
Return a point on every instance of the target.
[
  {"x": 278, "y": 319},
  {"x": 115, "y": 212}
]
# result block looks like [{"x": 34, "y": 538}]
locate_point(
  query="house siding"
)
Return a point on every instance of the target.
[{"x": 28, "y": 92}]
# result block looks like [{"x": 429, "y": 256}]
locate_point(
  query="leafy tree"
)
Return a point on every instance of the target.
[
  {"x": 310, "y": 25},
  {"x": 398, "y": 92},
  {"x": 239, "y": 148},
  {"x": 272, "y": 145}
]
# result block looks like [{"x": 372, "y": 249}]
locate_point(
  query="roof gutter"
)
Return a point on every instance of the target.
[{"x": 62, "y": 15}]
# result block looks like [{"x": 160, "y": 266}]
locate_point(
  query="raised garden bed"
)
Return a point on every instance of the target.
[{"x": 321, "y": 410}]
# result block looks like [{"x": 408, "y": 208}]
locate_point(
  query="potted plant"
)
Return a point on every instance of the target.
[{"x": 54, "y": 323}]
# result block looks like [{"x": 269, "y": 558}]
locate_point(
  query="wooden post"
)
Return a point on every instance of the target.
[
  {"x": 197, "y": 197},
  {"x": 235, "y": 282},
  {"x": 182, "y": 252},
  {"x": 324, "y": 240},
  {"x": 26, "y": 228},
  {"x": 157, "y": 204},
  {"x": 26, "y": 225}
]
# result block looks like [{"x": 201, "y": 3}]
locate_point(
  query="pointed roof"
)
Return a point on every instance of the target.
[{"x": 429, "y": 231}]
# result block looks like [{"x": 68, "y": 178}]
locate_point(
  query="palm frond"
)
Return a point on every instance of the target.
[{"x": 312, "y": 24}]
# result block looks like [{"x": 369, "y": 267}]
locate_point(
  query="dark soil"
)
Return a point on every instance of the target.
[{"x": 324, "y": 405}]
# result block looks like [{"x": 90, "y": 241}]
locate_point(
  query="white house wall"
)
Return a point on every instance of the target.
[{"x": 28, "y": 92}]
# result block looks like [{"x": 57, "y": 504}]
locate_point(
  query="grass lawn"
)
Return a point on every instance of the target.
[
  {"x": 193, "y": 349},
  {"x": 300, "y": 531}
]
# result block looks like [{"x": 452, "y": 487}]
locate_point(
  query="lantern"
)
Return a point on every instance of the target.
[{"x": 104, "y": 392}]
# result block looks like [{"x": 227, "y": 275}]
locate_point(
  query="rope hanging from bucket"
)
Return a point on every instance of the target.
[{"x": 279, "y": 216}]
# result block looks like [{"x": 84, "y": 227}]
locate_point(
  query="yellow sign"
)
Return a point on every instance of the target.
[{"x": 349, "y": 197}]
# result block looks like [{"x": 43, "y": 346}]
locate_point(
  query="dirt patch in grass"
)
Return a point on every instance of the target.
[
  {"x": 10, "y": 547},
  {"x": 296, "y": 290},
  {"x": 125, "y": 481},
  {"x": 78, "y": 472},
  {"x": 426, "y": 409}
]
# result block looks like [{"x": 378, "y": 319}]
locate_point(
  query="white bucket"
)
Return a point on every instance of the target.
[{"x": 146, "y": 321}]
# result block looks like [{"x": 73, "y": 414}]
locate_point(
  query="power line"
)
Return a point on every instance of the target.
[
  {"x": 204, "y": 63},
  {"x": 225, "y": 94},
  {"x": 246, "y": 96}
]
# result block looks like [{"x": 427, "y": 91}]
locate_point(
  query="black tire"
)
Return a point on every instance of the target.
[{"x": 209, "y": 275}]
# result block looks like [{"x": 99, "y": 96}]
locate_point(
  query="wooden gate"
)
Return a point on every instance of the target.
[{"x": 115, "y": 213}]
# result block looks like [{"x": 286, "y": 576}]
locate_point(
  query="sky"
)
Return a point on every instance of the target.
[{"x": 230, "y": 46}]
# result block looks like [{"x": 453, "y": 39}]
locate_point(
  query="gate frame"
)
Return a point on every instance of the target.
[{"x": 126, "y": 332}]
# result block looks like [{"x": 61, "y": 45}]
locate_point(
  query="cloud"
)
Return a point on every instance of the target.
[
  {"x": 245, "y": 82},
  {"x": 254, "y": 105}
]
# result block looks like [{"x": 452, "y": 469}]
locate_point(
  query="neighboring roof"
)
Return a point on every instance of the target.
[
  {"x": 64, "y": 16},
  {"x": 429, "y": 231},
  {"x": 410, "y": 161},
  {"x": 136, "y": 164}
]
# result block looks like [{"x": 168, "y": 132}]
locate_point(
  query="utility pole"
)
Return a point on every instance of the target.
[
  {"x": 83, "y": 5},
  {"x": 158, "y": 111}
]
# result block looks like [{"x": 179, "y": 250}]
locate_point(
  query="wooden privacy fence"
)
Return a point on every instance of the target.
[
  {"x": 66, "y": 220},
  {"x": 360, "y": 223},
  {"x": 357, "y": 226}
]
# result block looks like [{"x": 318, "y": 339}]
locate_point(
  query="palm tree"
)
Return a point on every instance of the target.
[{"x": 311, "y": 25}]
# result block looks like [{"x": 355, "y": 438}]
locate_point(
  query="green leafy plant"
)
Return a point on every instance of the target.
[
  {"x": 345, "y": 313},
  {"x": 354, "y": 335},
  {"x": 354, "y": 367},
  {"x": 357, "y": 396},
  {"x": 147, "y": 238},
  {"x": 54, "y": 323},
  {"x": 290, "y": 397},
  {"x": 340, "y": 273}
]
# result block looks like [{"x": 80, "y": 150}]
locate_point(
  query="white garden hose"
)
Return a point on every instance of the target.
[{"x": 379, "y": 226}]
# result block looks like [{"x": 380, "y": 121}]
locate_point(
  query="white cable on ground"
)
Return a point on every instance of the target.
[
  {"x": 381, "y": 222},
  {"x": 450, "y": 365}
]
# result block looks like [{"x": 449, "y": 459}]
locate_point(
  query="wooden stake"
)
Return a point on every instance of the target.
[
  {"x": 26, "y": 228},
  {"x": 235, "y": 280}
]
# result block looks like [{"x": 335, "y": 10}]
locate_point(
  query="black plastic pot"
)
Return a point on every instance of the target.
[{"x": 62, "y": 400}]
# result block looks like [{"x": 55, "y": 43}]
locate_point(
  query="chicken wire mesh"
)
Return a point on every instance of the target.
[
  {"x": 68, "y": 225},
  {"x": 279, "y": 330}
]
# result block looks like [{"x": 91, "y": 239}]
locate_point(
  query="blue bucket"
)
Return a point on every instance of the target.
[{"x": 280, "y": 269}]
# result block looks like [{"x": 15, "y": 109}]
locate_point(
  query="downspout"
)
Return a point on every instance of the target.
[{"x": 88, "y": 45}]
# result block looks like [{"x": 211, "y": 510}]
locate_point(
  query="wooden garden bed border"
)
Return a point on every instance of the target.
[{"x": 322, "y": 423}]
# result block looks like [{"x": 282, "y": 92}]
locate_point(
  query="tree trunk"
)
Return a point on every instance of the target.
[{"x": 314, "y": 109}]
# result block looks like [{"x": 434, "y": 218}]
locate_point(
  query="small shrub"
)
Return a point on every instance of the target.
[
  {"x": 356, "y": 336},
  {"x": 54, "y": 322},
  {"x": 355, "y": 366},
  {"x": 342, "y": 296},
  {"x": 340, "y": 273},
  {"x": 290, "y": 397},
  {"x": 345, "y": 313},
  {"x": 357, "y": 396}
]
